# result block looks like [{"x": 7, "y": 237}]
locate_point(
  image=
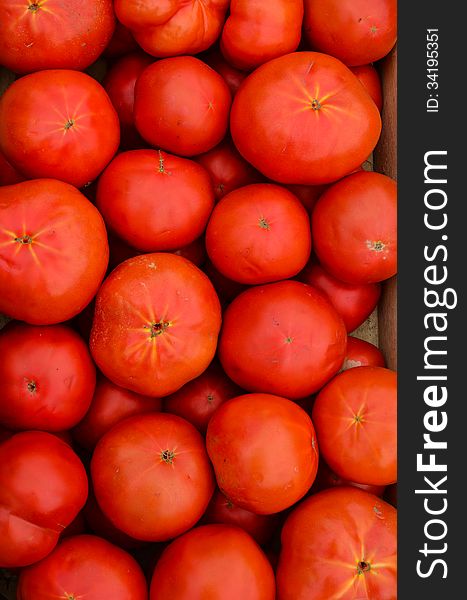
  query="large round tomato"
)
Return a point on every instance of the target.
[
  {"x": 53, "y": 248},
  {"x": 156, "y": 324},
  {"x": 361, "y": 353},
  {"x": 340, "y": 543},
  {"x": 369, "y": 78},
  {"x": 58, "y": 124},
  {"x": 43, "y": 486},
  {"x": 284, "y": 338},
  {"x": 304, "y": 118},
  {"x": 264, "y": 452},
  {"x": 152, "y": 476},
  {"x": 216, "y": 561}
]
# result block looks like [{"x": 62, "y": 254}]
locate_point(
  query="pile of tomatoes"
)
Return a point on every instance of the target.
[{"x": 187, "y": 240}]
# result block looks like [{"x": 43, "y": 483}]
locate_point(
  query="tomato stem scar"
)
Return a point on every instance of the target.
[
  {"x": 363, "y": 567},
  {"x": 168, "y": 456},
  {"x": 24, "y": 239}
]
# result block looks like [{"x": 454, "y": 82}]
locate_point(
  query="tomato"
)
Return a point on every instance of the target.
[
  {"x": 182, "y": 105},
  {"x": 355, "y": 31},
  {"x": 47, "y": 377},
  {"x": 58, "y": 124},
  {"x": 122, "y": 42},
  {"x": 155, "y": 201},
  {"x": 194, "y": 252},
  {"x": 354, "y": 302},
  {"x": 216, "y": 561},
  {"x": 84, "y": 566},
  {"x": 264, "y": 452},
  {"x": 259, "y": 233},
  {"x": 54, "y": 250},
  {"x": 355, "y": 416},
  {"x": 326, "y": 478},
  {"x": 304, "y": 118},
  {"x": 361, "y": 353},
  {"x": 152, "y": 476},
  {"x": 156, "y": 324},
  {"x": 43, "y": 486},
  {"x": 51, "y": 34},
  {"x": 340, "y": 543},
  {"x": 369, "y": 78},
  {"x": 307, "y": 194},
  {"x": 226, "y": 288},
  {"x": 284, "y": 338},
  {"x": 8, "y": 174},
  {"x": 233, "y": 77},
  {"x": 354, "y": 227},
  {"x": 257, "y": 31}
]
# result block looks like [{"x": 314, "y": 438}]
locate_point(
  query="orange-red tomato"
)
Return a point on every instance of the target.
[
  {"x": 369, "y": 78},
  {"x": 361, "y": 353}
]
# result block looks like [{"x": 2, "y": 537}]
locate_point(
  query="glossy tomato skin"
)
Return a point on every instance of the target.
[
  {"x": 339, "y": 543},
  {"x": 264, "y": 452},
  {"x": 114, "y": 573},
  {"x": 182, "y": 105},
  {"x": 54, "y": 246},
  {"x": 283, "y": 338},
  {"x": 290, "y": 119},
  {"x": 155, "y": 201},
  {"x": 354, "y": 228},
  {"x": 258, "y": 234},
  {"x": 355, "y": 31},
  {"x": 222, "y": 559},
  {"x": 233, "y": 77},
  {"x": 156, "y": 324},
  {"x": 34, "y": 510},
  {"x": 369, "y": 78},
  {"x": 355, "y": 416},
  {"x": 53, "y": 114},
  {"x": 361, "y": 353},
  {"x": 47, "y": 377},
  {"x": 177, "y": 484}
]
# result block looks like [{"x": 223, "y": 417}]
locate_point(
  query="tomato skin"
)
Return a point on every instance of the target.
[
  {"x": 293, "y": 137},
  {"x": 361, "y": 353},
  {"x": 56, "y": 228},
  {"x": 77, "y": 120},
  {"x": 35, "y": 510},
  {"x": 233, "y": 77},
  {"x": 8, "y": 174},
  {"x": 226, "y": 288},
  {"x": 122, "y": 42},
  {"x": 47, "y": 377},
  {"x": 155, "y": 325},
  {"x": 253, "y": 473},
  {"x": 283, "y": 338},
  {"x": 84, "y": 566},
  {"x": 178, "y": 481},
  {"x": 369, "y": 78},
  {"x": 322, "y": 543},
  {"x": 222, "y": 559},
  {"x": 326, "y": 478},
  {"x": 307, "y": 194}
]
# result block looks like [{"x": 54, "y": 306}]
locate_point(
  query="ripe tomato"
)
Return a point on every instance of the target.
[
  {"x": 354, "y": 227},
  {"x": 152, "y": 476},
  {"x": 54, "y": 249},
  {"x": 8, "y": 174},
  {"x": 326, "y": 478},
  {"x": 361, "y": 353},
  {"x": 226, "y": 288},
  {"x": 340, "y": 543},
  {"x": 156, "y": 324},
  {"x": 304, "y": 118},
  {"x": 233, "y": 77},
  {"x": 369, "y": 78},
  {"x": 284, "y": 338},
  {"x": 84, "y": 566},
  {"x": 307, "y": 194},
  {"x": 47, "y": 377},
  {"x": 51, "y": 34},
  {"x": 215, "y": 560},
  {"x": 58, "y": 124},
  {"x": 182, "y": 105},
  {"x": 355, "y": 416},
  {"x": 194, "y": 252},
  {"x": 264, "y": 452},
  {"x": 355, "y": 31},
  {"x": 122, "y": 42},
  {"x": 43, "y": 486}
]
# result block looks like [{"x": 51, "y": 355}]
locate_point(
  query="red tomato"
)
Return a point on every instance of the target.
[
  {"x": 284, "y": 338},
  {"x": 326, "y": 478},
  {"x": 84, "y": 566},
  {"x": 226, "y": 288},
  {"x": 122, "y": 42},
  {"x": 8, "y": 174},
  {"x": 58, "y": 124},
  {"x": 354, "y": 302},
  {"x": 216, "y": 561},
  {"x": 194, "y": 252},
  {"x": 156, "y": 324},
  {"x": 76, "y": 527},
  {"x": 307, "y": 194},
  {"x": 340, "y": 543},
  {"x": 5, "y": 434},
  {"x": 54, "y": 249},
  {"x": 182, "y": 105},
  {"x": 304, "y": 118},
  {"x": 264, "y": 452},
  {"x": 233, "y": 77},
  {"x": 362, "y": 354},
  {"x": 51, "y": 34},
  {"x": 354, "y": 227},
  {"x": 152, "y": 476},
  {"x": 43, "y": 486},
  {"x": 155, "y": 201},
  {"x": 47, "y": 377},
  {"x": 355, "y": 416},
  {"x": 259, "y": 233},
  {"x": 369, "y": 78},
  {"x": 257, "y": 31},
  {"x": 355, "y": 31}
]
